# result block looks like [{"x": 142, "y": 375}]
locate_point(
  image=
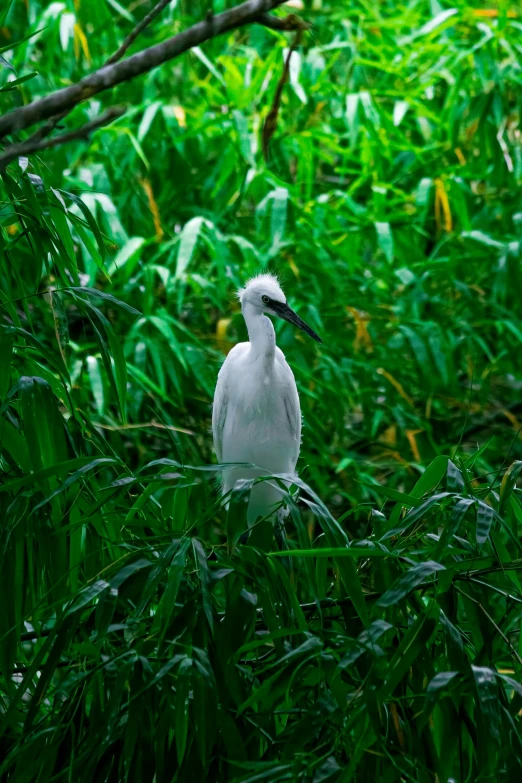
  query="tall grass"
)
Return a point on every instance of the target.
[{"x": 139, "y": 639}]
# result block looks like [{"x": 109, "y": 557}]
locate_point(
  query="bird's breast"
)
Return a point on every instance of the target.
[{"x": 257, "y": 427}]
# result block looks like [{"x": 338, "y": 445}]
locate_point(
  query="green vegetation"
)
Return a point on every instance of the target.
[{"x": 139, "y": 641}]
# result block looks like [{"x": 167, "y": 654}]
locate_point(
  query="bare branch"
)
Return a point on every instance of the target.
[
  {"x": 111, "y": 75},
  {"x": 118, "y": 54},
  {"x": 35, "y": 145},
  {"x": 285, "y": 24},
  {"x": 271, "y": 119}
]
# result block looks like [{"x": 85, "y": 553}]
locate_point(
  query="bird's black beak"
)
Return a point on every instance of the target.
[{"x": 283, "y": 311}]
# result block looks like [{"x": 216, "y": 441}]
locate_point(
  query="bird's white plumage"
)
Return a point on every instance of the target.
[{"x": 256, "y": 416}]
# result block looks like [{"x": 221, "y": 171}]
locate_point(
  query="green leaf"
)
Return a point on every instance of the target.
[
  {"x": 482, "y": 238},
  {"x": 439, "y": 683},
  {"x": 385, "y": 240},
  {"x": 351, "y": 114},
  {"x": 433, "y": 24},
  {"x": 399, "y": 111},
  {"x": 488, "y": 699},
  {"x": 57, "y": 469},
  {"x": 167, "y": 604},
  {"x": 147, "y": 119},
  {"x": 43, "y": 423},
  {"x": 485, "y": 516},
  {"x": 6, "y": 353},
  {"x": 372, "y": 115},
  {"x": 408, "y": 582},
  {"x": 15, "y": 44},
  {"x": 507, "y": 486},
  {"x": 94, "y": 292},
  {"x": 78, "y": 474},
  {"x": 50, "y": 358},
  {"x": 353, "y": 551},
  {"x": 127, "y": 258},
  {"x": 237, "y": 510},
  {"x": 14, "y": 83},
  {"x": 121, "y": 10},
  {"x": 95, "y": 377},
  {"x": 278, "y": 212},
  {"x": 406, "y": 500},
  {"x": 244, "y": 137},
  {"x": 206, "y": 62},
  {"x": 205, "y": 582},
  {"x": 431, "y": 477},
  {"x": 366, "y": 641},
  {"x": 64, "y": 234},
  {"x": 181, "y": 713},
  {"x": 86, "y": 596},
  {"x": 91, "y": 222},
  {"x": 187, "y": 245}
]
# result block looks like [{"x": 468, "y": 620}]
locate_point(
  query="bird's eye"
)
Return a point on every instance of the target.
[{"x": 265, "y": 299}]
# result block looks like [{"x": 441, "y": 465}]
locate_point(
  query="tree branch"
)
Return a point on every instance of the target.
[
  {"x": 35, "y": 145},
  {"x": 285, "y": 24},
  {"x": 111, "y": 75},
  {"x": 271, "y": 119},
  {"x": 51, "y": 123}
]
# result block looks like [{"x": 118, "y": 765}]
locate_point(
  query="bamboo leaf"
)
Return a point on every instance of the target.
[{"x": 408, "y": 582}]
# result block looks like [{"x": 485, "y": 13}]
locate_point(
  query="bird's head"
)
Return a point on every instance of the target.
[{"x": 264, "y": 294}]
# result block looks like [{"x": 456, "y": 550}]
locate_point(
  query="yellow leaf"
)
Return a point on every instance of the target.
[
  {"x": 179, "y": 114},
  {"x": 442, "y": 204},
  {"x": 460, "y": 156},
  {"x": 396, "y": 385},
  {"x": 221, "y": 329},
  {"x": 153, "y": 206},
  {"x": 397, "y": 724},
  {"x": 362, "y": 335},
  {"x": 293, "y": 266},
  {"x": 389, "y": 436},
  {"x": 234, "y": 197},
  {"x": 394, "y": 455},
  {"x": 491, "y": 13},
  {"x": 514, "y": 421},
  {"x": 81, "y": 40},
  {"x": 410, "y": 434}
]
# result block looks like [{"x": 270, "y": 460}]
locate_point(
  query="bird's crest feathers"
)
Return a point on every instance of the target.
[{"x": 266, "y": 283}]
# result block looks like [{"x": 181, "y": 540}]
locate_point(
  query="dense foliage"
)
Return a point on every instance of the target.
[{"x": 139, "y": 639}]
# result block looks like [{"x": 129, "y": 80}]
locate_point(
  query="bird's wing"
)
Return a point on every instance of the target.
[
  {"x": 292, "y": 408},
  {"x": 219, "y": 407},
  {"x": 219, "y": 412},
  {"x": 293, "y": 413}
]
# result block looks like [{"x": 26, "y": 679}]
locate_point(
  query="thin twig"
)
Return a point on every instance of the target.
[
  {"x": 110, "y": 76},
  {"x": 27, "y": 636},
  {"x": 59, "y": 665},
  {"x": 118, "y": 54},
  {"x": 27, "y": 147}
]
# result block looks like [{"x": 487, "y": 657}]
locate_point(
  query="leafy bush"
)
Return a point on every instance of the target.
[{"x": 139, "y": 639}]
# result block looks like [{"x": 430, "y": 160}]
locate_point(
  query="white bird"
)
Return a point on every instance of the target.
[{"x": 256, "y": 416}]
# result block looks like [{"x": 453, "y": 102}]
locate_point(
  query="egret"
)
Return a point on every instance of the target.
[{"x": 256, "y": 415}]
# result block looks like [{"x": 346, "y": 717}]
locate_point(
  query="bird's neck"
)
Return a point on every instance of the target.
[{"x": 260, "y": 333}]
